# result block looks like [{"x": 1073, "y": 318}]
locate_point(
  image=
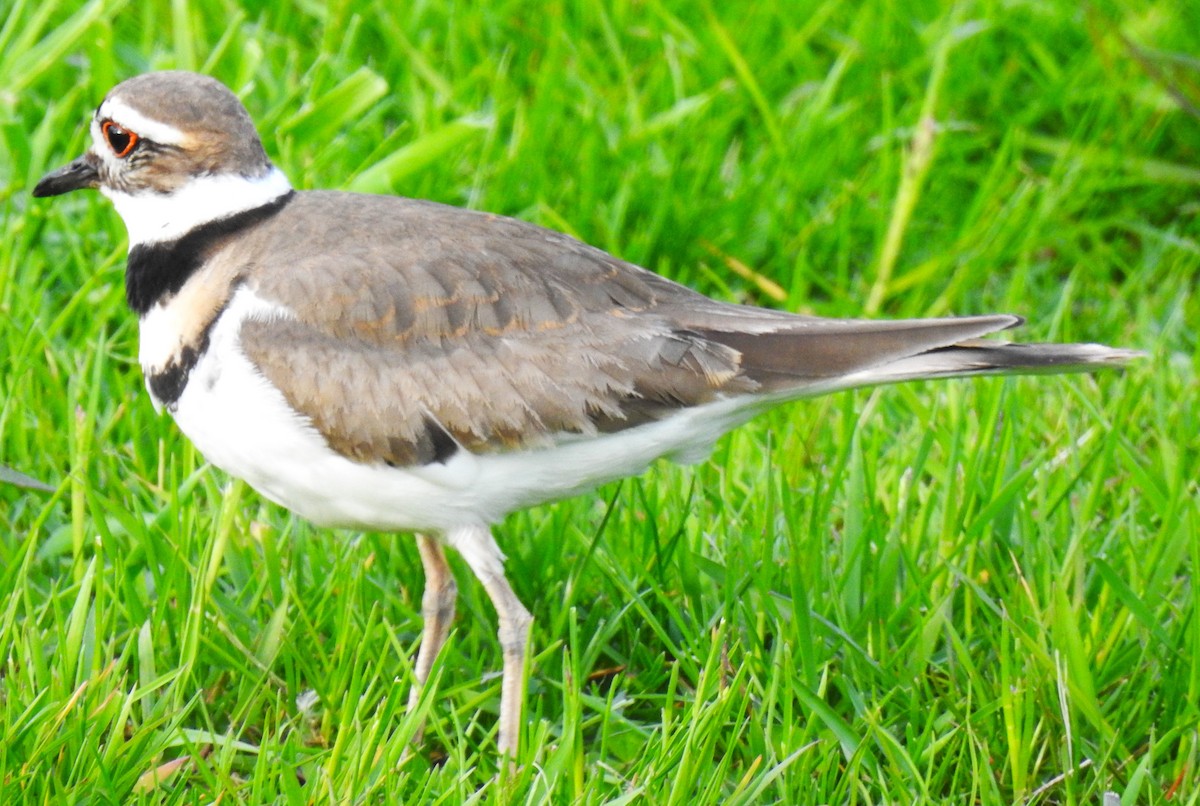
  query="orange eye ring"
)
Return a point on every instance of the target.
[{"x": 120, "y": 140}]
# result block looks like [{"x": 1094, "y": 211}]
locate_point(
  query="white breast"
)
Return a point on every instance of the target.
[{"x": 160, "y": 332}]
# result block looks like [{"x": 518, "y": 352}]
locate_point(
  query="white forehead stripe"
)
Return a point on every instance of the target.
[
  {"x": 132, "y": 120},
  {"x": 153, "y": 217}
]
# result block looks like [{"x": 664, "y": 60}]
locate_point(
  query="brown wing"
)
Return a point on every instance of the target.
[
  {"x": 400, "y": 405},
  {"x": 471, "y": 328},
  {"x": 419, "y": 328}
]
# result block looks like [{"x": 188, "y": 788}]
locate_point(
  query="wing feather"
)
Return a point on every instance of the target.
[{"x": 411, "y": 323}]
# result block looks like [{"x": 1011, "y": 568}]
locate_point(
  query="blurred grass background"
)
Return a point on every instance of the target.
[{"x": 974, "y": 592}]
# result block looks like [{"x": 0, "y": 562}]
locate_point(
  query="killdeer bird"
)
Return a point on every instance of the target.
[{"x": 390, "y": 364}]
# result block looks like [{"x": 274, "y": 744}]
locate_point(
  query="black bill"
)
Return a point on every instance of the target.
[{"x": 80, "y": 173}]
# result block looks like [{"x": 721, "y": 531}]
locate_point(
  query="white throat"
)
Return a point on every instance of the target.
[{"x": 156, "y": 217}]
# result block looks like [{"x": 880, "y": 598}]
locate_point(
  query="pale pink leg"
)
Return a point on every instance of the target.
[
  {"x": 437, "y": 608},
  {"x": 479, "y": 549}
]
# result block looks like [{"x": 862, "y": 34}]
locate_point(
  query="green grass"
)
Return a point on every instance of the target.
[{"x": 964, "y": 592}]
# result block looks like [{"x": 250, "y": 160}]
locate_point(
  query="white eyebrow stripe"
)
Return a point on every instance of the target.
[{"x": 132, "y": 120}]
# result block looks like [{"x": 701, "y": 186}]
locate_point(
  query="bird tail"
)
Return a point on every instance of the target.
[
  {"x": 811, "y": 356},
  {"x": 979, "y": 357}
]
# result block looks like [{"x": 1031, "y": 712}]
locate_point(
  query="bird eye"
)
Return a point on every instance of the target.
[{"x": 120, "y": 140}]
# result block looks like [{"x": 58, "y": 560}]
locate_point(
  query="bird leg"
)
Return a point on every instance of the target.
[
  {"x": 479, "y": 549},
  {"x": 437, "y": 609}
]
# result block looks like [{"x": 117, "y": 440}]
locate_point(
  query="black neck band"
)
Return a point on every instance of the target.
[{"x": 157, "y": 270}]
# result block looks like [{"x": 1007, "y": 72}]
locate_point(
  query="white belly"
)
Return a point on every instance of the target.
[{"x": 243, "y": 425}]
